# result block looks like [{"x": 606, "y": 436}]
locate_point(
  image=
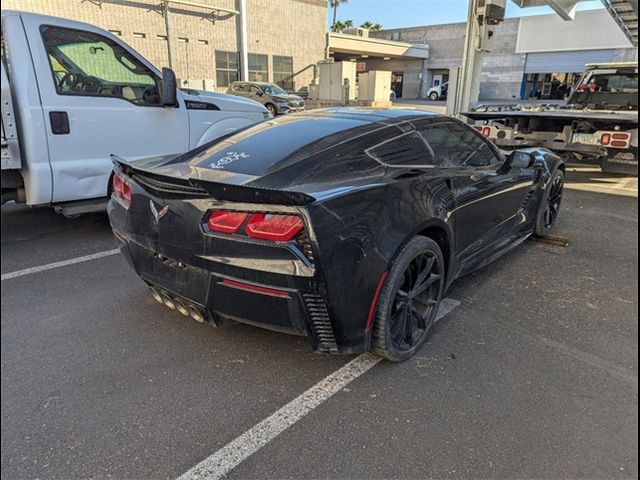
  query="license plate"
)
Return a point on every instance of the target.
[{"x": 586, "y": 138}]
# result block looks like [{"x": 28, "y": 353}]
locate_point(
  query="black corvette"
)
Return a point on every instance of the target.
[{"x": 344, "y": 225}]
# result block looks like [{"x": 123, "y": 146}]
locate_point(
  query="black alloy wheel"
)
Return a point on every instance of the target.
[
  {"x": 550, "y": 205},
  {"x": 553, "y": 202},
  {"x": 409, "y": 301}
]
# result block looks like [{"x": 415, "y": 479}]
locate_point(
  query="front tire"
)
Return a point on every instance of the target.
[
  {"x": 409, "y": 300},
  {"x": 433, "y": 96},
  {"x": 549, "y": 207},
  {"x": 272, "y": 109}
]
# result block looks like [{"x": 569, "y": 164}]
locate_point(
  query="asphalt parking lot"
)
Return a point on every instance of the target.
[{"x": 533, "y": 374}]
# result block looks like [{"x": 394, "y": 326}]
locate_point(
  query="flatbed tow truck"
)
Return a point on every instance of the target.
[{"x": 599, "y": 120}]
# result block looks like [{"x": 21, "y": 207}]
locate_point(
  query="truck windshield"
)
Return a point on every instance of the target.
[{"x": 609, "y": 82}]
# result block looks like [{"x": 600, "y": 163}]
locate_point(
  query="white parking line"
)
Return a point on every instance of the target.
[
  {"x": 63, "y": 263},
  {"x": 231, "y": 455}
]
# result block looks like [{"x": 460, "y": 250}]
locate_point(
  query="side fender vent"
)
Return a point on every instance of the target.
[
  {"x": 322, "y": 330},
  {"x": 527, "y": 199}
]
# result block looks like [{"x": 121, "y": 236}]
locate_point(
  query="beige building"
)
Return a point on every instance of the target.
[{"x": 283, "y": 36}]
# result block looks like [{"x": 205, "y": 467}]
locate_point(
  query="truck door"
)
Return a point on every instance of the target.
[{"x": 99, "y": 97}]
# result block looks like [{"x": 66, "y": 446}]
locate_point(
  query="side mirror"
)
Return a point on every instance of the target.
[
  {"x": 520, "y": 159},
  {"x": 169, "y": 88}
]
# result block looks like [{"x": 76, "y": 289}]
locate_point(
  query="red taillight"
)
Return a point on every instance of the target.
[
  {"x": 121, "y": 188},
  {"x": 275, "y": 227},
  {"x": 126, "y": 192},
  {"x": 618, "y": 143},
  {"x": 117, "y": 184},
  {"x": 478, "y": 128},
  {"x": 605, "y": 139},
  {"x": 620, "y": 136},
  {"x": 486, "y": 131},
  {"x": 224, "y": 221}
]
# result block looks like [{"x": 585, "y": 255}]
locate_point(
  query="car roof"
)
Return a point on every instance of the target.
[
  {"x": 260, "y": 148},
  {"x": 371, "y": 114}
]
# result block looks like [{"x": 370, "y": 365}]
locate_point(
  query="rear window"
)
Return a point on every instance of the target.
[{"x": 256, "y": 150}]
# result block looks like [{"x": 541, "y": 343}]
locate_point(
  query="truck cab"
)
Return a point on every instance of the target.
[
  {"x": 607, "y": 86},
  {"x": 74, "y": 94}
]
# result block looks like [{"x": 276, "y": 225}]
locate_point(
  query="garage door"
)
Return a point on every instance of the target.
[{"x": 565, "y": 62}]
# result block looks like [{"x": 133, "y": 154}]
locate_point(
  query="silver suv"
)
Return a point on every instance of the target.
[{"x": 277, "y": 100}]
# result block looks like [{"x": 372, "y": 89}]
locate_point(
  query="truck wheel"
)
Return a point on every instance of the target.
[
  {"x": 409, "y": 300},
  {"x": 549, "y": 205},
  {"x": 433, "y": 96}
]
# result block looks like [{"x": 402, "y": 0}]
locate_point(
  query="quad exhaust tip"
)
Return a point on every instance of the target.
[
  {"x": 168, "y": 302},
  {"x": 181, "y": 307},
  {"x": 156, "y": 295},
  {"x": 195, "y": 314},
  {"x": 177, "y": 304}
]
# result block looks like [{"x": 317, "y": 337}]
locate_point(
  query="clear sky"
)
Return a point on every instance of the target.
[{"x": 408, "y": 13}]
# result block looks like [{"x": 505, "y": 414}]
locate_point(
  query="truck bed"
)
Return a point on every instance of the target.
[{"x": 517, "y": 111}]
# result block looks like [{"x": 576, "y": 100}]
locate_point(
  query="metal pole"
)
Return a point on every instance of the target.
[
  {"x": 471, "y": 65},
  {"x": 167, "y": 27},
  {"x": 243, "y": 40}
]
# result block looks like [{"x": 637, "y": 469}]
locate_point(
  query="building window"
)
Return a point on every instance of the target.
[
  {"x": 283, "y": 72},
  {"x": 226, "y": 68},
  {"x": 258, "y": 70}
]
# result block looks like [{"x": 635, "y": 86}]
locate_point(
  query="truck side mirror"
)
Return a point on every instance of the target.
[{"x": 169, "y": 88}]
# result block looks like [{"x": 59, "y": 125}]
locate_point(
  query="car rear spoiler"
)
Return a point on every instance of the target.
[{"x": 219, "y": 190}]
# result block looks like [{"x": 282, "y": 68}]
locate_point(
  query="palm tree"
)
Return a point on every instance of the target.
[
  {"x": 338, "y": 25},
  {"x": 335, "y": 4},
  {"x": 374, "y": 27}
]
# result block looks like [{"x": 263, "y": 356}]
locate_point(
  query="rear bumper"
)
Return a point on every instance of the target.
[{"x": 284, "y": 303}]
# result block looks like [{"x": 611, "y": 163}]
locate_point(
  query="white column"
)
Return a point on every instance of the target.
[{"x": 243, "y": 40}]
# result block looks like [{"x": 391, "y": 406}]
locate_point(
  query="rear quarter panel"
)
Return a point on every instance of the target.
[{"x": 358, "y": 236}]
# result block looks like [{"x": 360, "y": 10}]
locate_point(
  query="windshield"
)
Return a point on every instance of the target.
[
  {"x": 610, "y": 83},
  {"x": 272, "y": 89}
]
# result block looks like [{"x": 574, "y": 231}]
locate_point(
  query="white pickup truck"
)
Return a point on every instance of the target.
[{"x": 73, "y": 94}]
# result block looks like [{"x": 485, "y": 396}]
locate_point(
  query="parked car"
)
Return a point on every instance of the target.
[
  {"x": 73, "y": 94},
  {"x": 345, "y": 225},
  {"x": 439, "y": 92},
  {"x": 277, "y": 100}
]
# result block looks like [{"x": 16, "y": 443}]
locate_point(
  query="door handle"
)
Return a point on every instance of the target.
[{"x": 59, "y": 123}]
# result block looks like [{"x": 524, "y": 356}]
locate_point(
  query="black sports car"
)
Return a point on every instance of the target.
[{"x": 344, "y": 225}]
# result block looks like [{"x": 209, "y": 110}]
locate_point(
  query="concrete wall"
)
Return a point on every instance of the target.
[
  {"x": 590, "y": 30},
  {"x": 287, "y": 27},
  {"x": 503, "y": 68},
  {"x": 412, "y": 70}
]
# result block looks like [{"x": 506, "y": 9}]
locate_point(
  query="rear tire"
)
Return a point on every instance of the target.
[
  {"x": 549, "y": 207},
  {"x": 409, "y": 300},
  {"x": 433, "y": 96}
]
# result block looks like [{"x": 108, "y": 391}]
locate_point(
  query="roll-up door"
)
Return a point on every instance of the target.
[{"x": 565, "y": 62}]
